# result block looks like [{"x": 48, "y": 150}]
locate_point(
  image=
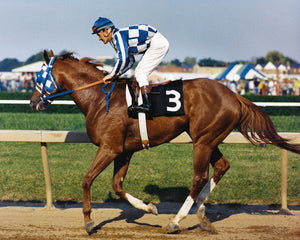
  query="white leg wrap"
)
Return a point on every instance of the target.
[
  {"x": 184, "y": 210},
  {"x": 203, "y": 195},
  {"x": 137, "y": 203},
  {"x": 143, "y": 129}
]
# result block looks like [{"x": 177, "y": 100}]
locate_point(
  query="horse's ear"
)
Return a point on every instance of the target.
[
  {"x": 51, "y": 54},
  {"x": 46, "y": 56}
]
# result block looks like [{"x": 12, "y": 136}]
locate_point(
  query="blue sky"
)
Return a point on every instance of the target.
[{"x": 226, "y": 30}]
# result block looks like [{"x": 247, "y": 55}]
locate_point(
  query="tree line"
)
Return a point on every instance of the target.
[
  {"x": 274, "y": 56},
  {"x": 7, "y": 64}
]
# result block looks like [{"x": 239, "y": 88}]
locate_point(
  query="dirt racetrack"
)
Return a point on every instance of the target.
[{"x": 121, "y": 221}]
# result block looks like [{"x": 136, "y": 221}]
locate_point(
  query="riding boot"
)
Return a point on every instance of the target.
[
  {"x": 134, "y": 90},
  {"x": 146, "y": 95}
]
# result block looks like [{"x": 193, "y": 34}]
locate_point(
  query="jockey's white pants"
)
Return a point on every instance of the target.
[{"x": 158, "y": 49}]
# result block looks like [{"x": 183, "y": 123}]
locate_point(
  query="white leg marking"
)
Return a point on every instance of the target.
[
  {"x": 137, "y": 203},
  {"x": 184, "y": 210},
  {"x": 203, "y": 195}
]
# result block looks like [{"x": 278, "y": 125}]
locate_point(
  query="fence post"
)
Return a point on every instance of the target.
[
  {"x": 284, "y": 208},
  {"x": 47, "y": 176}
]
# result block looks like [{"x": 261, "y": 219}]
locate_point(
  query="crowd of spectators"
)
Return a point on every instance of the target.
[
  {"x": 24, "y": 83},
  {"x": 288, "y": 86}
]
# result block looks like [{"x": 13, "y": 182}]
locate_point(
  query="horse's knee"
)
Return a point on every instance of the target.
[{"x": 84, "y": 184}]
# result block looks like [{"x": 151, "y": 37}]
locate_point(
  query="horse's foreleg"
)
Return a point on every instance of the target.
[
  {"x": 202, "y": 155},
  {"x": 220, "y": 165},
  {"x": 103, "y": 158},
  {"x": 121, "y": 164},
  {"x": 139, "y": 204}
]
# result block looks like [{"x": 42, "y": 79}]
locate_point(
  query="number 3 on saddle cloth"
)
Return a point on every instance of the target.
[{"x": 166, "y": 99}]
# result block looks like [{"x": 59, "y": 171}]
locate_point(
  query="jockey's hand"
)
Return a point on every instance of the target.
[{"x": 107, "y": 79}]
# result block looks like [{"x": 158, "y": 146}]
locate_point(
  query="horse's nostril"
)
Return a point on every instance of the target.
[{"x": 34, "y": 104}]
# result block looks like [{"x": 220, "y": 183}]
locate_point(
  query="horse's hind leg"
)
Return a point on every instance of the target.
[
  {"x": 202, "y": 154},
  {"x": 220, "y": 165},
  {"x": 121, "y": 164}
]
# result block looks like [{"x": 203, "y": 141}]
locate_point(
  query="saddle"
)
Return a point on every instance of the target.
[{"x": 166, "y": 98}]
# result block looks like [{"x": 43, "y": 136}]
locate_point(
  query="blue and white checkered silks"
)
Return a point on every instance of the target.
[{"x": 130, "y": 41}]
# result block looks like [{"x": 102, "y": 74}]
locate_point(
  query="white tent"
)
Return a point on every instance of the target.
[
  {"x": 33, "y": 67},
  {"x": 9, "y": 76},
  {"x": 235, "y": 72}
]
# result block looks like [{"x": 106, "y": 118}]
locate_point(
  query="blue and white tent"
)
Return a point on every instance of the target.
[{"x": 235, "y": 72}]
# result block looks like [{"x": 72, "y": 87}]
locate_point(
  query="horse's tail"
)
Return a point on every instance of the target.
[{"x": 257, "y": 126}]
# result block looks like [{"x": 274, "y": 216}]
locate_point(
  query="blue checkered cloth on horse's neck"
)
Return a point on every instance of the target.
[
  {"x": 128, "y": 42},
  {"x": 166, "y": 100}
]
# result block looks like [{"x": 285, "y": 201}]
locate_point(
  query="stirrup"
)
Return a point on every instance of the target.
[
  {"x": 132, "y": 107},
  {"x": 142, "y": 108}
]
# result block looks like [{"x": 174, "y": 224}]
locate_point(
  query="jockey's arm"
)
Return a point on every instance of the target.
[{"x": 125, "y": 66}]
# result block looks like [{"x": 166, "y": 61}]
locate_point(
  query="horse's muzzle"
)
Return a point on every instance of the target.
[{"x": 38, "y": 105}]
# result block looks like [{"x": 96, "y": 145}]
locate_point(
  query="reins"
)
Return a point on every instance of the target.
[
  {"x": 53, "y": 96},
  {"x": 47, "y": 79}
]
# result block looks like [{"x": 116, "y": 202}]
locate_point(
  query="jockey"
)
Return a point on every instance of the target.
[{"x": 127, "y": 42}]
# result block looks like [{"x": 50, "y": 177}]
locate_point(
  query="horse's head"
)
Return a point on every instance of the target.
[
  {"x": 46, "y": 84},
  {"x": 63, "y": 75}
]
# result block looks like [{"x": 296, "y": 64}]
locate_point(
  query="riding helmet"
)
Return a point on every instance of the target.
[{"x": 102, "y": 23}]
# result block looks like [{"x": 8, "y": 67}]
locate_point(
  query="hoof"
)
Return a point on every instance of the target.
[
  {"x": 205, "y": 225},
  {"x": 284, "y": 212},
  {"x": 201, "y": 212},
  {"x": 152, "y": 209},
  {"x": 173, "y": 228},
  {"x": 89, "y": 227}
]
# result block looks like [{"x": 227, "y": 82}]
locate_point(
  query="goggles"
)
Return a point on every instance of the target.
[{"x": 96, "y": 29}]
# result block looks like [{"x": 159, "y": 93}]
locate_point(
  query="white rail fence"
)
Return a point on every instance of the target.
[
  {"x": 43, "y": 137},
  {"x": 71, "y": 102}
]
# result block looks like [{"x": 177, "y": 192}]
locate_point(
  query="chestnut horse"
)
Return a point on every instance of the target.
[{"x": 212, "y": 111}]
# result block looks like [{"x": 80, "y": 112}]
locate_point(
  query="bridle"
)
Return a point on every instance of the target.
[{"x": 46, "y": 84}]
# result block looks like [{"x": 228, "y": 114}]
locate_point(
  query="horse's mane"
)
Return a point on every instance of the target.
[
  {"x": 86, "y": 64},
  {"x": 69, "y": 55}
]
